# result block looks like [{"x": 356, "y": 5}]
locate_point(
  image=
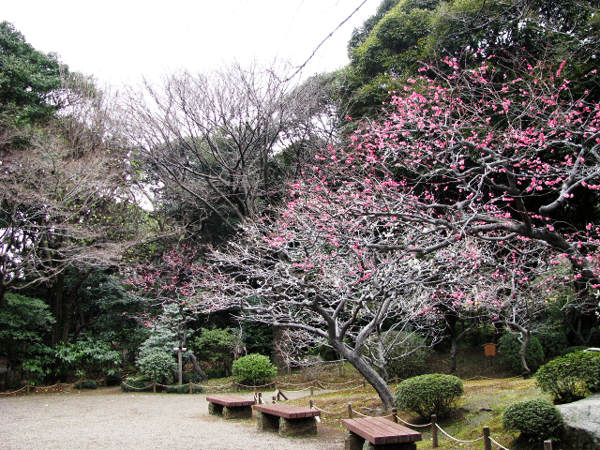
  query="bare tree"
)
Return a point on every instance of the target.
[
  {"x": 210, "y": 139},
  {"x": 66, "y": 202}
]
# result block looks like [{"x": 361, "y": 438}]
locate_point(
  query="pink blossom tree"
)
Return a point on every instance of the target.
[{"x": 459, "y": 194}]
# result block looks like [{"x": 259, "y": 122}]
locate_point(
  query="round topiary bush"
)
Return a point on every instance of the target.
[
  {"x": 254, "y": 370},
  {"x": 571, "y": 377},
  {"x": 509, "y": 347},
  {"x": 429, "y": 394},
  {"x": 158, "y": 365},
  {"x": 536, "y": 420}
]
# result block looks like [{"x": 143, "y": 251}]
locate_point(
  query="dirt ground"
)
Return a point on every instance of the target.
[{"x": 108, "y": 418}]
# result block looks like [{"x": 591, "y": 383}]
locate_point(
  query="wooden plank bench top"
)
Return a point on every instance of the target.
[
  {"x": 287, "y": 411},
  {"x": 381, "y": 431},
  {"x": 231, "y": 401}
]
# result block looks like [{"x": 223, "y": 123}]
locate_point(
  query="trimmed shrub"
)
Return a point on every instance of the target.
[
  {"x": 508, "y": 353},
  {"x": 183, "y": 389},
  {"x": 158, "y": 365},
  {"x": 536, "y": 420},
  {"x": 254, "y": 370},
  {"x": 86, "y": 384},
  {"x": 571, "y": 377},
  {"x": 429, "y": 394}
]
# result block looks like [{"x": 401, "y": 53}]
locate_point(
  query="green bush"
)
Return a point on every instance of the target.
[
  {"x": 429, "y": 394},
  {"x": 508, "y": 353},
  {"x": 254, "y": 370},
  {"x": 570, "y": 377},
  {"x": 553, "y": 344},
  {"x": 183, "y": 389},
  {"x": 536, "y": 420},
  {"x": 158, "y": 365}
]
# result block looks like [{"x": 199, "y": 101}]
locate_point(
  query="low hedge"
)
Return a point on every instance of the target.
[
  {"x": 429, "y": 394},
  {"x": 536, "y": 420},
  {"x": 571, "y": 377}
]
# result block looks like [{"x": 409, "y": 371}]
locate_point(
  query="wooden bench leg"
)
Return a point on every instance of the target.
[
  {"x": 353, "y": 441},
  {"x": 267, "y": 422},
  {"x": 215, "y": 408},
  {"x": 297, "y": 427},
  {"x": 238, "y": 412}
]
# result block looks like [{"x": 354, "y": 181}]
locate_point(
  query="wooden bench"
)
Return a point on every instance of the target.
[
  {"x": 230, "y": 406},
  {"x": 382, "y": 434},
  {"x": 288, "y": 420}
]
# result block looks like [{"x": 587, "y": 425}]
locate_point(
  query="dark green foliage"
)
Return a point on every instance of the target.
[
  {"x": 158, "y": 365},
  {"x": 216, "y": 347},
  {"x": 429, "y": 394},
  {"x": 86, "y": 384},
  {"x": 183, "y": 389},
  {"x": 553, "y": 344},
  {"x": 254, "y": 370},
  {"x": 536, "y": 420},
  {"x": 571, "y": 377},
  {"x": 28, "y": 78},
  {"x": 89, "y": 356},
  {"x": 24, "y": 323},
  {"x": 508, "y": 353},
  {"x": 258, "y": 337}
]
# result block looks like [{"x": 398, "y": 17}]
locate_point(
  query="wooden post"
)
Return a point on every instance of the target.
[
  {"x": 312, "y": 390},
  {"x": 395, "y": 415},
  {"x": 311, "y": 404},
  {"x": 260, "y": 398},
  {"x": 547, "y": 445},
  {"x": 191, "y": 387},
  {"x": 434, "y": 430},
  {"x": 154, "y": 387},
  {"x": 487, "y": 444},
  {"x": 27, "y": 388},
  {"x": 350, "y": 410}
]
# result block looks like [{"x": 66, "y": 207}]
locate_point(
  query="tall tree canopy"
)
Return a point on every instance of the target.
[
  {"x": 28, "y": 78},
  {"x": 402, "y": 35}
]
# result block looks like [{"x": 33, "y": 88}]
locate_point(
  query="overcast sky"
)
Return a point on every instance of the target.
[{"x": 121, "y": 40}]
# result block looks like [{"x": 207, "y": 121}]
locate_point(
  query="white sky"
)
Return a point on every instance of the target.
[{"x": 121, "y": 40}]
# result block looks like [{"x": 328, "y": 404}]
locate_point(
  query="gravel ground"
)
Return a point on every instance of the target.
[{"x": 109, "y": 419}]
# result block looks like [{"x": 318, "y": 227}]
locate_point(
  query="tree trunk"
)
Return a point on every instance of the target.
[
  {"x": 372, "y": 377},
  {"x": 197, "y": 366},
  {"x": 523, "y": 352}
]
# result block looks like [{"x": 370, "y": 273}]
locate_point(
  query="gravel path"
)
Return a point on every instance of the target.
[{"x": 109, "y": 419}]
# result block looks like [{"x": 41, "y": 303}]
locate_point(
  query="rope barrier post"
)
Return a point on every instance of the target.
[
  {"x": 233, "y": 386},
  {"x": 154, "y": 387},
  {"x": 191, "y": 387},
  {"x": 311, "y": 404},
  {"x": 260, "y": 400},
  {"x": 434, "y": 435},
  {"x": 547, "y": 445},
  {"x": 487, "y": 444},
  {"x": 27, "y": 390},
  {"x": 350, "y": 410},
  {"x": 312, "y": 391},
  {"x": 395, "y": 415}
]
